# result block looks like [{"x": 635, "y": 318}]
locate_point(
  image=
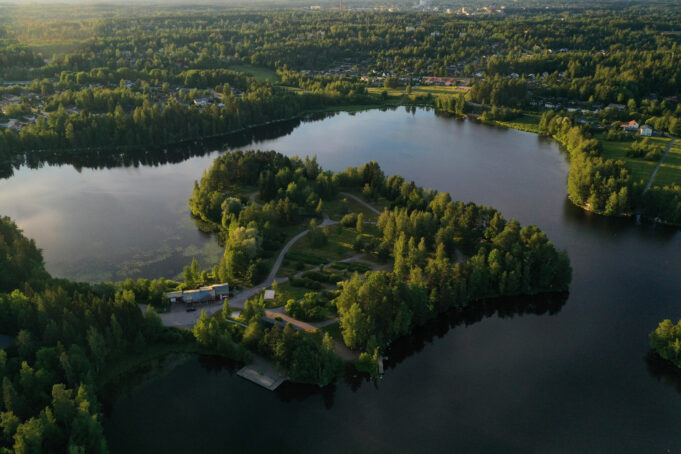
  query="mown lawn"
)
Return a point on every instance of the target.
[
  {"x": 286, "y": 291},
  {"x": 420, "y": 90},
  {"x": 379, "y": 203},
  {"x": 526, "y": 122},
  {"x": 670, "y": 170},
  {"x": 338, "y": 246},
  {"x": 258, "y": 72},
  {"x": 640, "y": 168},
  {"x": 341, "y": 206}
]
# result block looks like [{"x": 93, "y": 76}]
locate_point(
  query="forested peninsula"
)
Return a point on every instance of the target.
[
  {"x": 444, "y": 254},
  {"x": 70, "y": 339}
]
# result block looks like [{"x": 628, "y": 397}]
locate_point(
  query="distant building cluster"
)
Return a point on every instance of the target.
[{"x": 216, "y": 292}]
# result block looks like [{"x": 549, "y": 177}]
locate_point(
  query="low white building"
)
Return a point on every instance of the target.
[{"x": 646, "y": 130}]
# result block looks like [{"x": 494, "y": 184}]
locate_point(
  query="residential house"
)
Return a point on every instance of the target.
[{"x": 631, "y": 126}]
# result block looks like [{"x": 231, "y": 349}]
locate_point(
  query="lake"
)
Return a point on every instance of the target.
[{"x": 540, "y": 376}]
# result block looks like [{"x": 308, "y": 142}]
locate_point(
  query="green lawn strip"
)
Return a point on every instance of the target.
[
  {"x": 286, "y": 291},
  {"x": 244, "y": 190},
  {"x": 380, "y": 203},
  {"x": 290, "y": 268},
  {"x": 338, "y": 246},
  {"x": 419, "y": 90},
  {"x": 526, "y": 122},
  {"x": 355, "y": 207},
  {"x": 670, "y": 170},
  {"x": 640, "y": 168},
  {"x": 259, "y": 72},
  {"x": 342, "y": 205}
]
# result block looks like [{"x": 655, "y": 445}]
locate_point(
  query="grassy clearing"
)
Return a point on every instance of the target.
[
  {"x": 338, "y": 246},
  {"x": 259, "y": 72},
  {"x": 640, "y": 168},
  {"x": 379, "y": 203},
  {"x": 418, "y": 91},
  {"x": 670, "y": 170},
  {"x": 338, "y": 208},
  {"x": 285, "y": 292},
  {"x": 526, "y": 122}
]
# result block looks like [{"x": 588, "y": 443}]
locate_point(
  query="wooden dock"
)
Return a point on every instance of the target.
[{"x": 262, "y": 372}]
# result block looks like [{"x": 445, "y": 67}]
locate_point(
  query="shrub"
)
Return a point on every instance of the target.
[
  {"x": 306, "y": 283},
  {"x": 349, "y": 220},
  {"x": 306, "y": 258}
]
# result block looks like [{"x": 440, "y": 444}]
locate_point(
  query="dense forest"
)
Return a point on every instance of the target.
[
  {"x": 65, "y": 338},
  {"x": 122, "y": 84}
]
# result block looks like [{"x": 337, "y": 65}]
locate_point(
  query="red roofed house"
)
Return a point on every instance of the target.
[{"x": 631, "y": 126}]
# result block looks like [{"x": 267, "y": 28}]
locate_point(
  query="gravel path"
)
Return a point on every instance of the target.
[
  {"x": 354, "y": 197},
  {"x": 657, "y": 167},
  {"x": 179, "y": 317}
]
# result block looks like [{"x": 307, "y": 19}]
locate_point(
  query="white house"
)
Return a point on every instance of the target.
[{"x": 646, "y": 130}]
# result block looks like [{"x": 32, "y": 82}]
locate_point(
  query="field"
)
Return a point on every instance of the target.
[
  {"x": 336, "y": 209},
  {"x": 285, "y": 292},
  {"x": 640, "y": 168},
  {"x": 670, "y": 170},
  {"x": 526, "y": 122},
  {"x": 258, "y": 72},
  {"x": 338, "y": 246},
  {"x": 418, "y": 90}
]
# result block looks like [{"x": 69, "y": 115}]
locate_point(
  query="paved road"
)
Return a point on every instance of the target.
[
  {"x": 657, "y": 167},
  {"x": 354, "y": 197},
  {"x": 180, "y": 318}
]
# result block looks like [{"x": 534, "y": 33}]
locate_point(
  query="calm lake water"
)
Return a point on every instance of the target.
[{"x": 544, "y": 376}]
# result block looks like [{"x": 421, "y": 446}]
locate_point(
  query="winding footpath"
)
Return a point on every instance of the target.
[
  {"x": 369, "y": 207},
  {"x": 180, "y": 318},
  {"x": 657, "y": 167}
]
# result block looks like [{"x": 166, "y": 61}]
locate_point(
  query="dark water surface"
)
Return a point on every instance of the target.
[{"x": 544, "y": 376}]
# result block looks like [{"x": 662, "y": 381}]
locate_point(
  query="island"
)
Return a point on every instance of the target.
[
  {"x": 665, "y": 342},
  {"x": 349, "y": 281},
  {"x": 325, "y": 274}
]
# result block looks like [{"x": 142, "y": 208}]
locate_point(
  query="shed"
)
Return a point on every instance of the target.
[
  {"x": 269, "y": 295},
  {"x": 646, "y": 130}
]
